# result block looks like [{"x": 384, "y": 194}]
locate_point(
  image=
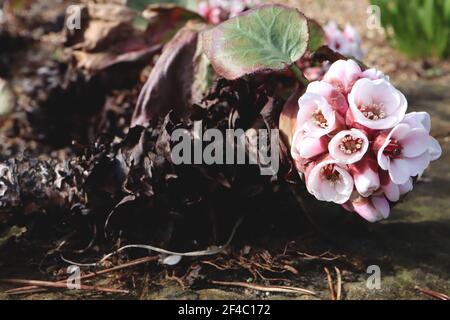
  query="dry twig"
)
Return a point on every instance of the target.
[
  {"x": 284, "y": 289},
  {"x": 60, "y": 285},
  {"x": 433, "y": 294},
  {"x": 330, "y": 284},
  {"x": 339, "y": 283},
  {"x": 34, "y": 288}
]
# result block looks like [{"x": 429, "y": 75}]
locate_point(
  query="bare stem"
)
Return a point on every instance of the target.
[{"x": 299, "y": 75}]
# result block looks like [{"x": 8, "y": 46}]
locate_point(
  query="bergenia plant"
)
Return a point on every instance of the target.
[
  {"x": 355, "y": 145},
  {"x": 352, "y": 141}
]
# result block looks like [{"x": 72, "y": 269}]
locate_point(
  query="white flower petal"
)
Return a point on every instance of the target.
[
  {"x": 434, "y": 149},
  {"x": 391, "y": 191},
  {"x": 381, "y": 205},
  {"x": 399, "y": 170},
  {"x": 311, "y": 147},
  {"x": 367, "y": 183},
  {"x": 367, "y": 210},
  {"x": 374, "y": 74},
  {"x": 399, "y": 132},
  {"x": 406, "y": 187},
  {"x": 418, "y": 164},
  {"x": 415, "y": 143},
  {"x": 383, "y": 161},
  {"x": 418, "y": 119}
]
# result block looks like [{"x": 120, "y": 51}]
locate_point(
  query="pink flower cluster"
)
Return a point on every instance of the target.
[
  {"x": 354, "y": 143},
  {"x": 346, "y": 42},
  {"x": 216, "y": 11}
]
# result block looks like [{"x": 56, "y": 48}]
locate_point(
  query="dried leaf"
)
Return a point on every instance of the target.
[
  {"x": 171, "y": 260},
  {"x": 165, "y": 20},
  {"x": 288, "y": 116},
  {"x": 102, "y": 25},
  {"x": 169, "y": 86},
  {"x": 7, "y": 98},
  {"x": 111, "y": 37}
]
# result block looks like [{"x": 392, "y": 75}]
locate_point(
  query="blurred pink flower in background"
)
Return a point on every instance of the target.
[
  {"x": 346, "y": 42},
  {"x": 216, "y": 11}
]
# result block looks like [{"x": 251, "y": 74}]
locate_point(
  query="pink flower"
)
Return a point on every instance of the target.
[
  {"x": 376, "y": 104},
  {"x": 393, "y": 191},
  {"x": 351, "y": 34},
  {"x": 403, "y": 152},
  {"x": 306, "y": 147},
  {"x": 423, "y": 120},
  {"x": 313, "y": 73},
  {"x": 354, "y": 42},
  {"x": 237, "y": 6},
  {"x": 330, "y": 181},
  {"x": 348, "y": 146},
  {"x": 204, "y": 8},
  {"x": 374, "y": 74},
  {"x": 335, "y": 38},
  {"x": 365, "y": 174},
  {"x": 347, "y": 43},
  {"x": 316, "y": 117},
  {"x": 334, "y": 98},
  {"x": 374, "y": 208},
  {"x": 212, "y": 11},
  {"x": 343, "y": 74},
  {"x": 216, "y": 11}
]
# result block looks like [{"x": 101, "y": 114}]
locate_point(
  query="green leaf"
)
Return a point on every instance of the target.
[
  {"x": 316, "y": 35},
  {"x": 447, "y": 9},
  {"x": 140, "y": 5},
  {"x": 267, "y": 38},
  {"x": 428, "y": 18},
  {"x": 14, "y": 231}
]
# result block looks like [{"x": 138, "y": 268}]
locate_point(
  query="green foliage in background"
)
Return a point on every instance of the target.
[
  {"x": 140, "y": 5},
  {"x": 420, "y": 28}
]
